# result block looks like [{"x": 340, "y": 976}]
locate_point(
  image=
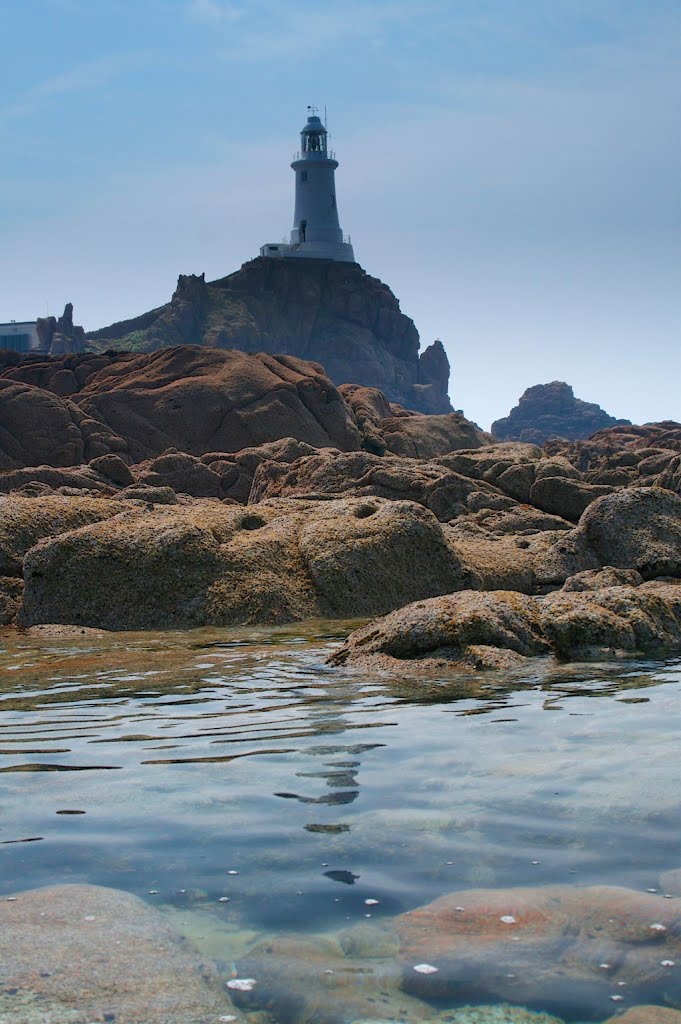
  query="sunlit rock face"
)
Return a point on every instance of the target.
[
  {"x": 551, "y": 410},
  {"x": 330, "y": 312}
]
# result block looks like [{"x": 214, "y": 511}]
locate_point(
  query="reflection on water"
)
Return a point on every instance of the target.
[{"x": 234, "y": 766}]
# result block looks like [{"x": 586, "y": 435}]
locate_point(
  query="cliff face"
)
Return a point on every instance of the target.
[
  {"x": 332, "y": 313},
  {"x": 551, "y": 410}
]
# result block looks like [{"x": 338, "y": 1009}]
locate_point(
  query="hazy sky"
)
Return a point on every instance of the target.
[{"x": 510, "y": 169}]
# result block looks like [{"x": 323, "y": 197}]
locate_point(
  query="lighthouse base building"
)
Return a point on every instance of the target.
[{"x": 316, "y": 232}]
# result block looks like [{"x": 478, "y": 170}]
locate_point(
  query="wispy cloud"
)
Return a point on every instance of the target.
[
  {"x": 81, "y": 78},
  {"x": 285, "y": 30},
  {"x": 214, "y": 11}
]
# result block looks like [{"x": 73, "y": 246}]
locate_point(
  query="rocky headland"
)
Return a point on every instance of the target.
[
  {"x": 333, "y": 313},
  {"x": 551, "y": 410}
]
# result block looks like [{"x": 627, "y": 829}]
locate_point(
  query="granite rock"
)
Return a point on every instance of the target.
[
  {"x": 207, "y": 563},
  {"x": 75, "y": 954},
  {"x": 544, "y": 945},
  {"x": 551, "y": 410},
  {"x": 205, "y": 400},
  {"x": 449, "y": 631}
]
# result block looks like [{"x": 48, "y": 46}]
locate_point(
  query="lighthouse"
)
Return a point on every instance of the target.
[{"x": 316, "y": 232}]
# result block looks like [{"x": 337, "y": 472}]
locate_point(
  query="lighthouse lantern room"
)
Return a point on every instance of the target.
[{"x": 316, "y": 232}]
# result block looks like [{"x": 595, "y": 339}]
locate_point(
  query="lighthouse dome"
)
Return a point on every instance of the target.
[{"x": 314, "y": 125}]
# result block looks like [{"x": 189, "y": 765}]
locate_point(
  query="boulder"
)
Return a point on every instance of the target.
[
  {"x": 25, "y": 521},
  {"x": 148, "y": 494},
  {"x": 565, "y": 497},
  {"x": 82, "y": 953},
  {"x": 439, "y": 632},
  {"x": 202, "y": 400},
  {"x": 554, "y": 946},
  {"x": 620, "y": 618},
  {"x": 112, "y": 468},
  {"x": 636, "y": 528},
  {"x": 470, "y": 628},
  {"x": 39, "y": 428},
  {"x": 551, "y": 410},
  {"x": 597, "y": 579},
  {"x": 183, "y": 473},
  {"x": 237, "y": 469},
  {"x": 208, "y": 563},
  {"x": 45, "y": 480},
  {"x": 647, "y": 1015}
]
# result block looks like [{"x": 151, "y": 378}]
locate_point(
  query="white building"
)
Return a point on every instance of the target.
[
  {"x": 316, "y": 230},
  {"x": 20, "y": 336}
]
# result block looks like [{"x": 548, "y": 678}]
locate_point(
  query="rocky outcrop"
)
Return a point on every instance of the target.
[
  {"x": 627, "y": 455},
  {"x": 25, "y": 521},
  {"x": 58, "y": 336},
  {"x": 330, "y": 472},
  {"x": 75, "y": 953},
  {"x": 388, "y": 428},
  {"x": 551, "y": 410},
  {"x": 210, "y": 563},
  {"x": 332, "y": 313},
  {"x": 39, "y": 428},
  {"x": 501, "y": 629},
  {"x": 205, "y": 400}
]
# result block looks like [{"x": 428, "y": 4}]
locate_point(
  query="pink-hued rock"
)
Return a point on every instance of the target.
[
  {"x": 544, "y": 945},
  {"x": 81, "y": 952}
]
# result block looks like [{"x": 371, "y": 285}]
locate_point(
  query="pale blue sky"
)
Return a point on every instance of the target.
[{"x": 511, "y": 170}]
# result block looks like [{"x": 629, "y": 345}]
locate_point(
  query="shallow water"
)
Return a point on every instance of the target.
[{"x": 233, "y": 763}]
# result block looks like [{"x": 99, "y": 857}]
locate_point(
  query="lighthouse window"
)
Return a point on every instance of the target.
[
  {"x": 333, "y": 201},
  {"x": 303, "y": 176}
]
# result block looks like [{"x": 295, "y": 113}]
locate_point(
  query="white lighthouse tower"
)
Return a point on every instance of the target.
[{"x": 316, "y": 230}]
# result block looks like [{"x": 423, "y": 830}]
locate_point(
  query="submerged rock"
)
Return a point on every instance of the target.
[
  {"x": 647, "y": 1015},
  {"x": 73, "y": 954},
  {"x": 550, "y": 946}
]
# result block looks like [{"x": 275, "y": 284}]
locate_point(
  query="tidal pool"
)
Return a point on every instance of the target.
[{"x": 255, "y": 795}]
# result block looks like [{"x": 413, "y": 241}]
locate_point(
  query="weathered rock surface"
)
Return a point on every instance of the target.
[
  {"x": 471, "y": 628},
  {"x": 333, "y": 313},
  {"x": 210, "y": 563},
  {"x": 636, "y": 528},
  {"x": 555, "y": 946},
  {"x": 445, "y": 492},
  {"x": 26, "y": 521},
  {"x": 551, "y": 410},
  {"x": 626, "y": 455},
  {"x": 206, "y": 400},
  {"x": 597, "y": 579},
  {"x": 39, "y": 428},
  {"x": 647, "y": 1015},
  {"x": 11, "y": 593},
  {"x": 565, "y": 497},
  {"x": 387, "y": 427},
  {"x": 75, "y": 954}
]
